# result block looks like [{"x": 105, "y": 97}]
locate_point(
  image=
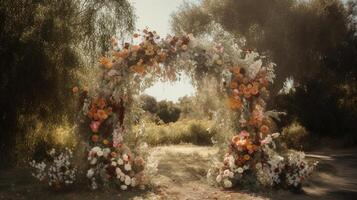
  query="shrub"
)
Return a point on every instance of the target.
[{"x": 294, "y": 135}]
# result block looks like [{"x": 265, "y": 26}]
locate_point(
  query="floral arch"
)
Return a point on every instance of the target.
[{"x": 245, "y": 78}]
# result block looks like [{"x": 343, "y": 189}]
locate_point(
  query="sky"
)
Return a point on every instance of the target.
[{"x": 155, "y": 14}]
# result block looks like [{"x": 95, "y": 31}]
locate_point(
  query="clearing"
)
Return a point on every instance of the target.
[{"x": 181, "y": 175}]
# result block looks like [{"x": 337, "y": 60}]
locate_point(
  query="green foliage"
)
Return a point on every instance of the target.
[
  {"x": 324, "y": 108},
  {"x": 149, "y": 103},
  {"x": 167, "y": 111},
  {"x": 184, "y": 131},
  {"x": 42, "y": 47}
]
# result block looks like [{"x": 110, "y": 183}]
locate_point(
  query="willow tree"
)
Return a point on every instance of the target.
[{"x": 42, "y": 43}]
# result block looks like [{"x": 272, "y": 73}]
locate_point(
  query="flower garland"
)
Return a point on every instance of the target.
[
  {"x": 246, "y": 77},
  {"x": 130, "y": 68}
]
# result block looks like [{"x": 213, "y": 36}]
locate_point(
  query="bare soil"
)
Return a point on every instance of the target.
[{"x": 182, "y": 175}]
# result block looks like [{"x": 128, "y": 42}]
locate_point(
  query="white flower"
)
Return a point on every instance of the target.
[
  {"x": 289, "y": 86},
  {"x": 219, "y": 178},
  {"x": 106, "y": 152},
  {"x": 231, "y": 174},
  {"x": 227, "y": 183},
  {"x": 52, "y": 152},
  {"x": 125, "y": 157},
  {"x": 133, "y": 182},
  {"x": 96, "y": 149},
  {"x": 93, "y": 161},
  {"x": 258, "y": 166},
  {"x": 275, "y": 135},
  {"x": 127, "y": 167},
  {"x": 90, "y": 173},
  {"x": 127, "y": 180},
  {"x": 114, "y": 164},
  {"x": 118, "y": 171},
  {"x": 100, "y": 153},
  {"x": 120, "y": 161},
  {"x": 240, "y": 170},
  {"x": 124, "y": 187},
  {"x": 227, "y": 173}
]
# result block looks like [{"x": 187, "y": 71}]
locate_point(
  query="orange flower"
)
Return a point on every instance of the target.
[
  {"x": 95, "y": 138},
  {"x": 264, "y": 129},
  {"x": 250, "y": 147},
  {"x": 135, "y": 48},
  {"x": 235, "y": 70},
  {"x": 235, "y": 139},
  {"x": 234, "y": 85},
  {"x": 113, "y": 154},
  {"x": 264, "y": 82},
  {"x": 138, "y": 69},
  {"x": 254, "y": 90},
  {"x": 235, "y": 103},
  {"x": 246, "y": 157},
  {"x": 121, "y": 54},
  {"x": 241, "y": 88},
  {"x": 101, "y": 103},
  {"x": 102, "y": 114},
  {"x": 246, "y": 92},
  {"x": 106, "y": 62},
  {"x": 105, "y": 142},
  {"x": 92, "y": 112},
  {"x": 75, "y": 90},
  {"x": 256, "y": 84},
  {"x": 241, "y": 142}
]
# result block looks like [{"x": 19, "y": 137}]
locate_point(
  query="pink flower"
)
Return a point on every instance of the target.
[
  {"x": 266, "y": 140},
  {"x": 94, "y": 126},
  {"x": 244, "y": 134}
]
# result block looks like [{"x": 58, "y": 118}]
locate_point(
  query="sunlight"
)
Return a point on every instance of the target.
[{"x": 171, "y": 91}]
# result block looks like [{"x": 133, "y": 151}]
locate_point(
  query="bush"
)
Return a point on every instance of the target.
[
  {"x": 294, "y": 136},
  {"x": 185, "y": 131}
]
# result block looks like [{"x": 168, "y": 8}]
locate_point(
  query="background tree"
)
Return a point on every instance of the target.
[
  {"x": 149, "y": 103},
  {"x": 42, "y": 44},
  {"x": 294, "y": 33},
  {"x": 168, "y": 111},
  {"x": 313, "y": 41}
]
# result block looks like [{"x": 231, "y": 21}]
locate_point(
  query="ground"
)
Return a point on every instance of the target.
[{"x": 181, "y": 175}]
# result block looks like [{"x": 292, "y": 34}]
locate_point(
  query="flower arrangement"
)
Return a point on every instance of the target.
[
  {"x": 119, "y": 166},
  {"x": 130, "y": 68},
  {"x": 58, "y": 172},
  {"x": 251, "y": 156},
  {"x": 246, "y": 77}
]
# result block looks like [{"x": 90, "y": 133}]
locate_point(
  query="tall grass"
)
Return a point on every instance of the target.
[{"x": 197, "y": 132}]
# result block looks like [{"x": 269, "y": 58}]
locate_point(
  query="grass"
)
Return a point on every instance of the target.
[{"x": 198, "y": 132}]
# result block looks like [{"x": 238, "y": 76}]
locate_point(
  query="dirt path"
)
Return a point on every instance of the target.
[
  {"x": 181, "y": 175},
  {"x": 182, "y": 172}
]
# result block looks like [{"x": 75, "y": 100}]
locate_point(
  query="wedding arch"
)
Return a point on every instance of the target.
[{"x": 132, "y": 67}]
